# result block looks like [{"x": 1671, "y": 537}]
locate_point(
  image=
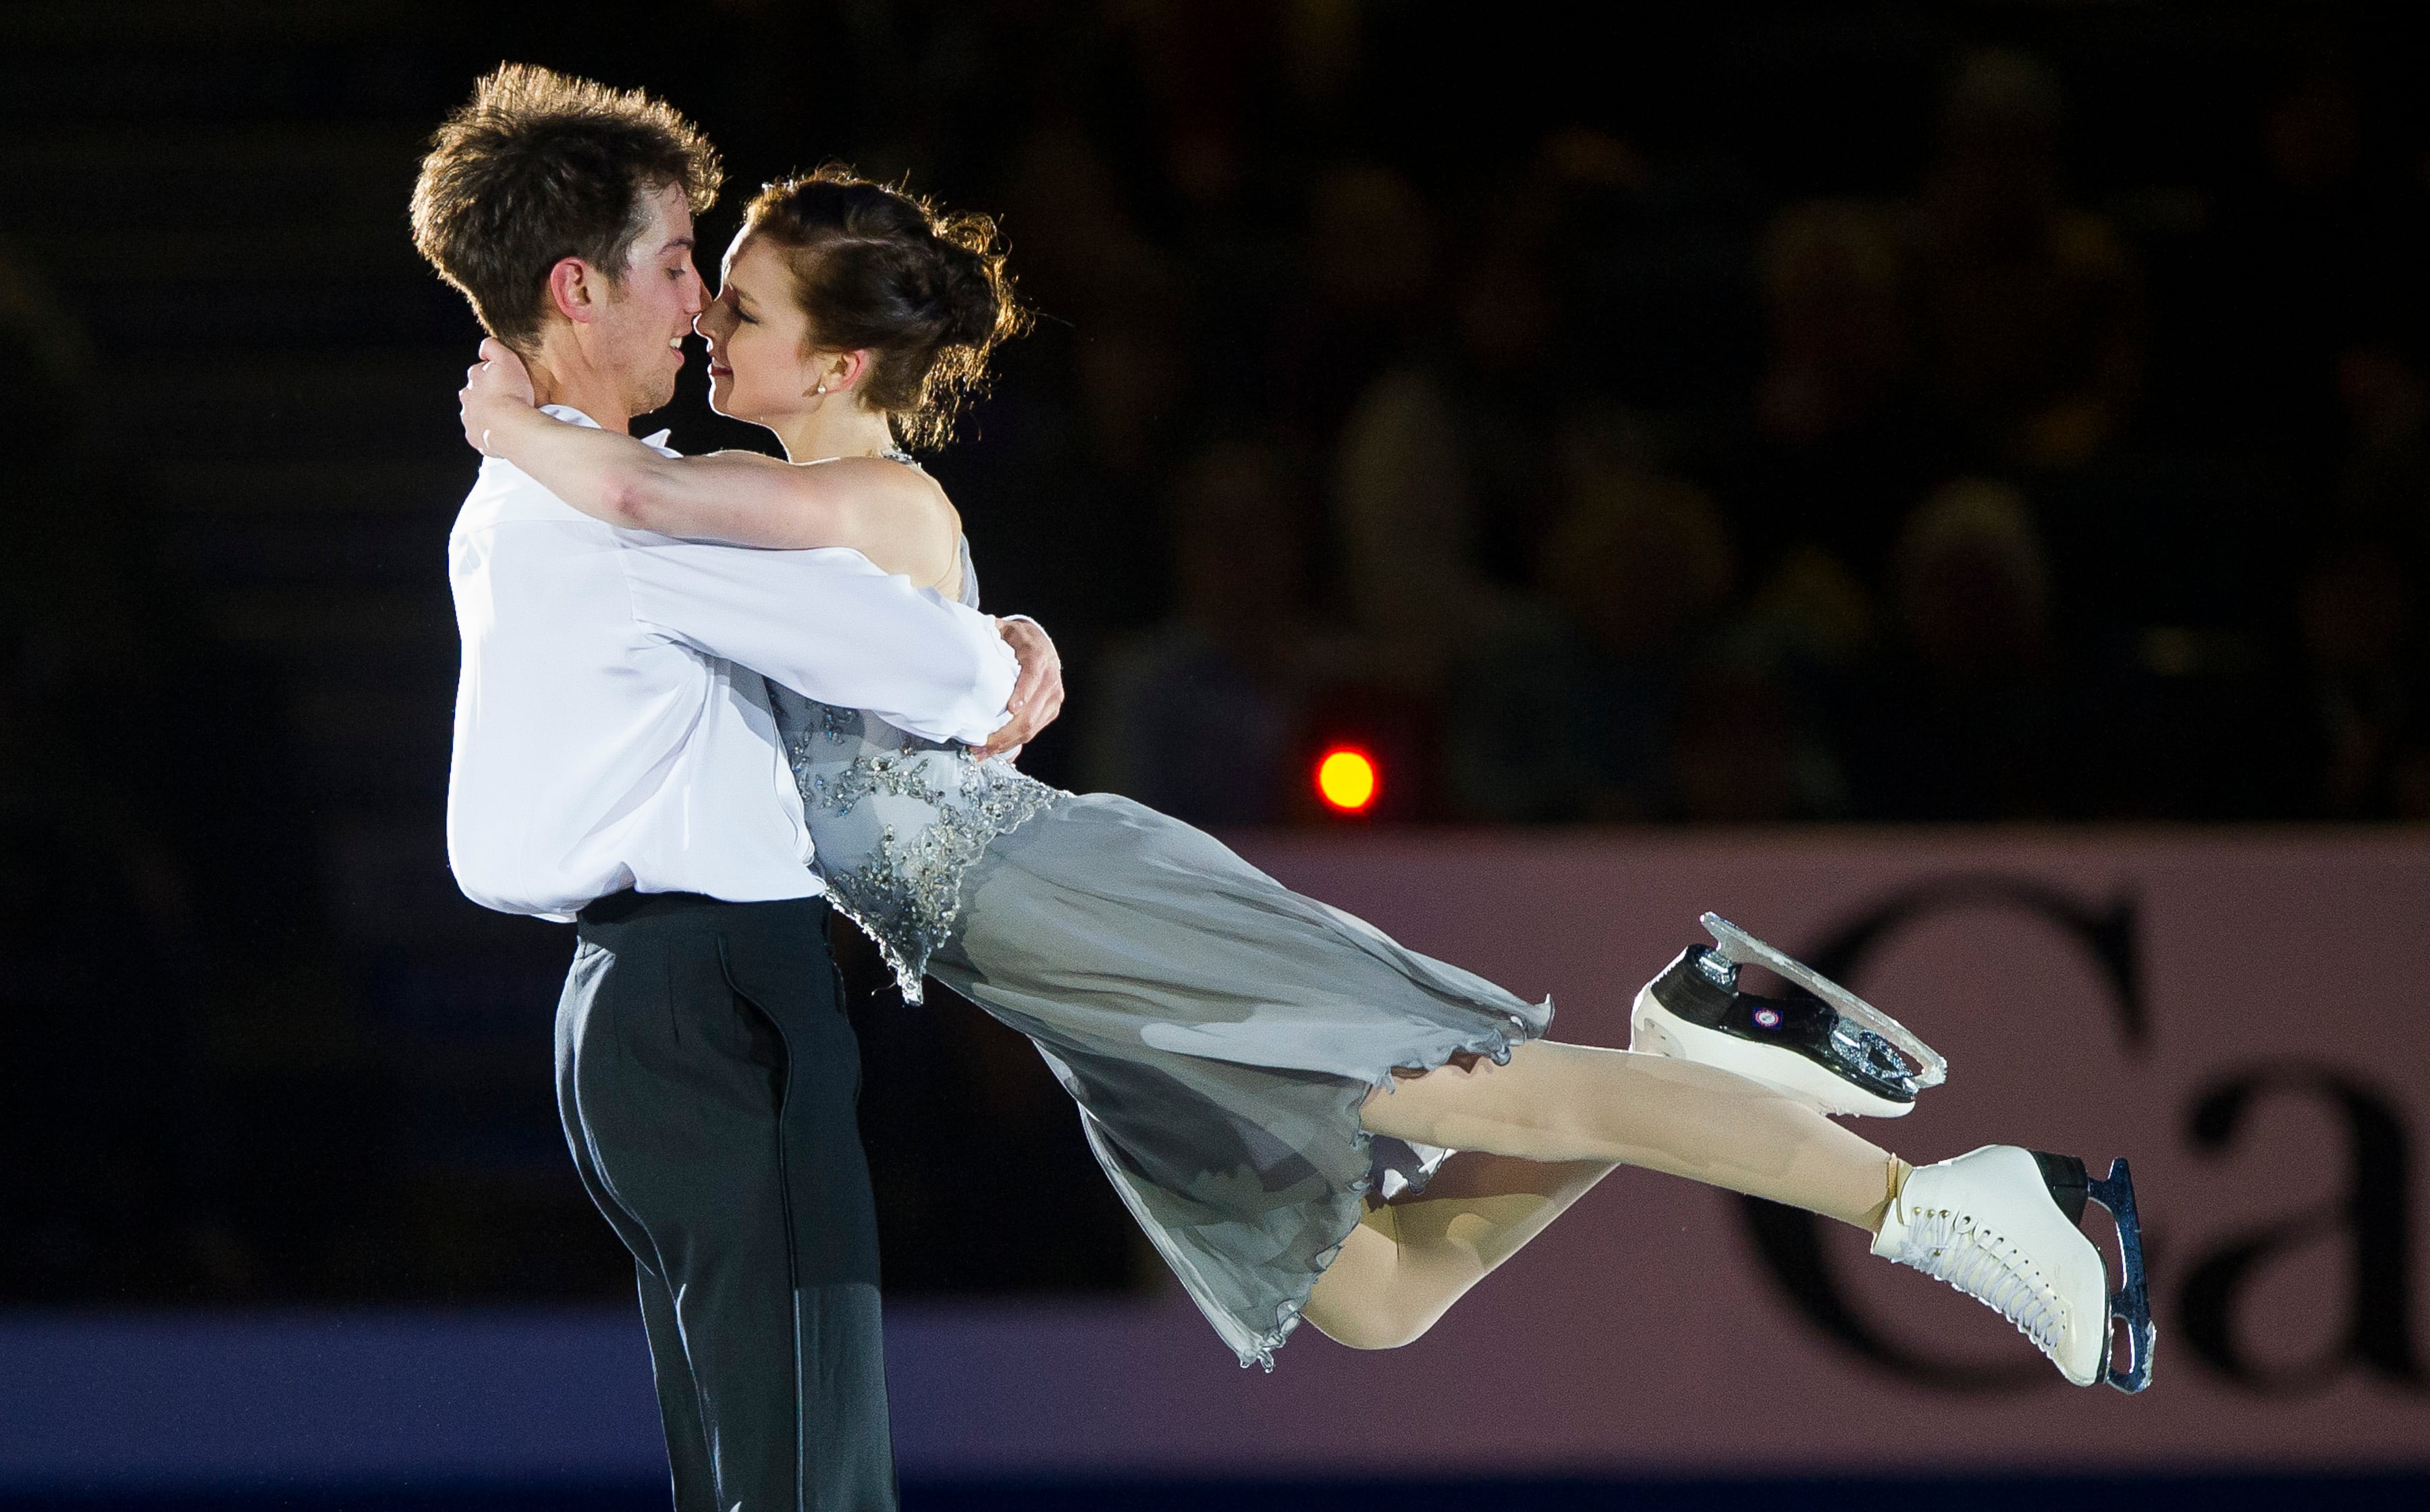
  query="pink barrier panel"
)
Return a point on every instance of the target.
[{"x": 2239, "y": 1015}]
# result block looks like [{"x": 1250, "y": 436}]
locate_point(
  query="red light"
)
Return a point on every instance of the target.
[{"x": 1347, "y": 779}]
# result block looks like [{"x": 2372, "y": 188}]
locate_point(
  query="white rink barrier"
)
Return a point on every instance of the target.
[{"x": 2241, "y": 1014}]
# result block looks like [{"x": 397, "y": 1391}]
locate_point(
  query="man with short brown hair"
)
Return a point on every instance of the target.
[
  {"x": 616, "y": 763},
  {"x": 539, "y": 162},
  {"x": 533, "y": 201}
]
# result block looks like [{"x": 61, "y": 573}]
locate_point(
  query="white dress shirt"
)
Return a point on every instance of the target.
[{"x": 612, "y": 727}]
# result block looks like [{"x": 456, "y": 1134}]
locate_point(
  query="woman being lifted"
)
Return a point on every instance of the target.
[{"x": 1308, "y": 1119}]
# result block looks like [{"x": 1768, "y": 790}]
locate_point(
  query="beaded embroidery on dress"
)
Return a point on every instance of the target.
[{"x": 896, "y": 819}]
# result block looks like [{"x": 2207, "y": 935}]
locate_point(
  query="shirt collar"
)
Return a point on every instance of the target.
[{"x": 576, "y": 417}]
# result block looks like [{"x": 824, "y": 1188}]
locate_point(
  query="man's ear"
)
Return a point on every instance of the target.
[{"x": 574, "y": 290}]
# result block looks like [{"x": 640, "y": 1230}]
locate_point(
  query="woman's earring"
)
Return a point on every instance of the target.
[{"x": 820, "y": 389}]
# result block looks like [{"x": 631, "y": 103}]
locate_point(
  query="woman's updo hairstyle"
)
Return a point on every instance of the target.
[{"x": 878, "y": 269}]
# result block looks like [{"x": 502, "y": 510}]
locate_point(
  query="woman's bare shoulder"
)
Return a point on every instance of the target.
[
  {"x": 943, "y": 531},
  {"x": 940, "y": 504},
  {"x": 899, "y": 518},
  {"x": 882, "y": 494}
]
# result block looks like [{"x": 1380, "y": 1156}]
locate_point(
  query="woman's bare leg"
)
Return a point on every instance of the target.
[
  {"x": 1559, "y": 1117},
  {"x": 1409, "y": 1261},
  {"x": 1558, "y": 1102}
]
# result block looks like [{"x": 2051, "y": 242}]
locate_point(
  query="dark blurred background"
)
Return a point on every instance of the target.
[{"x": 1716, "y": 414}]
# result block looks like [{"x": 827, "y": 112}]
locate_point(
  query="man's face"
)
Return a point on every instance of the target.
[{"x": 646, "y": 314}]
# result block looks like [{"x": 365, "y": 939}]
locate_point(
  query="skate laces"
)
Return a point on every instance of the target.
[{"x": 1950, "y": 1246}]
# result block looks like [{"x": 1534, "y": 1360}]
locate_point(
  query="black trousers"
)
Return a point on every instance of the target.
[{"x": 707, "y": 1080}]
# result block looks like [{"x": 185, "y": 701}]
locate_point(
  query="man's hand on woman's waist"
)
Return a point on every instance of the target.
[{"x": 1037, "y": 694}]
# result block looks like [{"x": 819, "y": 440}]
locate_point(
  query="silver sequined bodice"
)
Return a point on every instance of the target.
[{"x": 896, "y": 819}]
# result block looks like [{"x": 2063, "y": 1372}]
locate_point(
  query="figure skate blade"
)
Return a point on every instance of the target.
[
  {"x": 1796, "y": 1044},
  {"x": 1738, "y": 947},
  {"x": 2131, "y": 1304}
]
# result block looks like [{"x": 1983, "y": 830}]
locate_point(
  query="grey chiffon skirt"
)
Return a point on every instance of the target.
[{"x": 1219, "y": 1032}]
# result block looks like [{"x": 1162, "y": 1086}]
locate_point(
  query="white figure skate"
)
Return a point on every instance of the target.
[
  {"x": 1819, "y": 1043},
  {"x": 2000, "y": 1225}
]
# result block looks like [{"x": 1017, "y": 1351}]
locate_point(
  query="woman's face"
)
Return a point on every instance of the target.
[{"x": 760, "y": 365}]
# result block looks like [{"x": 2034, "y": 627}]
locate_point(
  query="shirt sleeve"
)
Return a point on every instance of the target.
[{"x": 830, "y": 626}]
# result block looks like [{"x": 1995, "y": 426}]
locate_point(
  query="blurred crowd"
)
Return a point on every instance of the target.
[
  {"x": 1586, "y": 481},
  {"x": 165, "y": 971}
]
